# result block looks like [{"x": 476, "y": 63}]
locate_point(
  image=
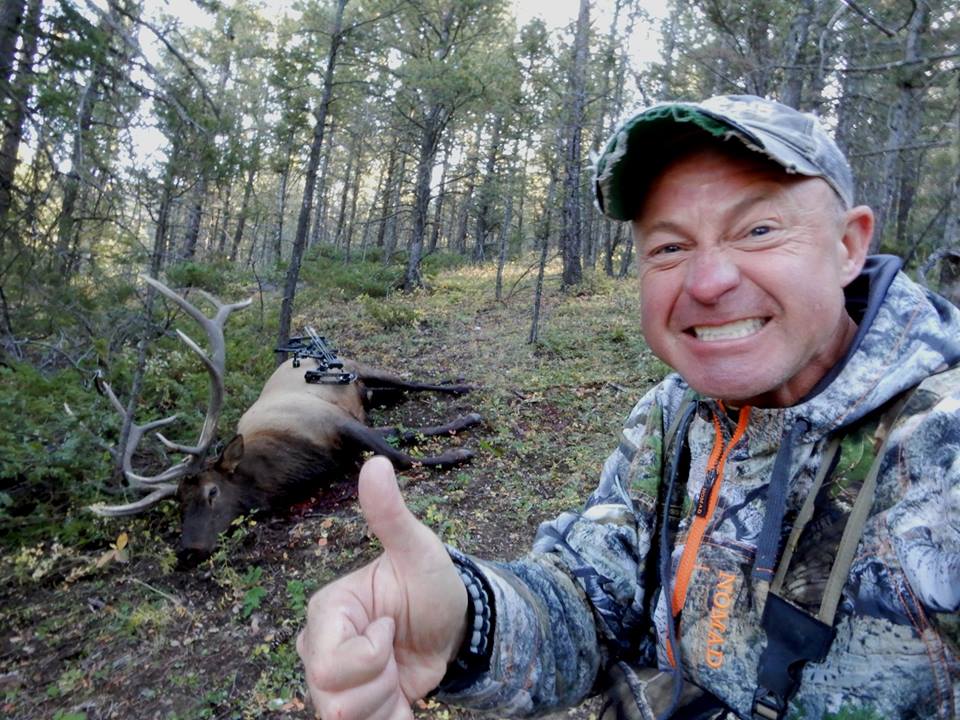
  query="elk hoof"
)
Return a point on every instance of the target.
[
  {"x": 189, "y": 558},
  {"x": 458, "y": 389},
  {"x": 455, "y": 457}
]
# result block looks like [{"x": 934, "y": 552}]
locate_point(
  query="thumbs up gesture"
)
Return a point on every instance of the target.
[{"x": 380, "y": 638}]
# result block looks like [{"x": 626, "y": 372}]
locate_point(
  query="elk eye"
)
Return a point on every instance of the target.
[{"x": 212, "y": 493}]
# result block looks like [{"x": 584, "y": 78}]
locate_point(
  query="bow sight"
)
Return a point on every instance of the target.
[{"x": 329, "y": 368}]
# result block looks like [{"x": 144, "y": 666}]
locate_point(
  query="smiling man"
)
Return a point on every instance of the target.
[
  {"x": 777, "y": 534},
  {"x": 727, "y": 246}
]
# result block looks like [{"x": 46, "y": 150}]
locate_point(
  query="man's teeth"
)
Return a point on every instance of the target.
[{"x": 730, "y": 331}]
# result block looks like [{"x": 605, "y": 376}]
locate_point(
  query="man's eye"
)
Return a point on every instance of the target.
[
  {"x": 759, "y": 230},
  {"x": 667, "y": 249}
]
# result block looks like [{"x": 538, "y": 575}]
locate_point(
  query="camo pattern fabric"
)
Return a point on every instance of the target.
[{"x": 575, "y": 604}]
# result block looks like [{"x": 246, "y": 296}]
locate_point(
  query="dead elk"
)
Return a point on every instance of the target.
[{"x": 296, "y": 439}]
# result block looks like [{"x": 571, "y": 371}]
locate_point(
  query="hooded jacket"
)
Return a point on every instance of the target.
[{"x": 590, "y": 592}]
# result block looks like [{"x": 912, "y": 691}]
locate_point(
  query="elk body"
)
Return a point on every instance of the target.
[{"x": 295, "y": 440}]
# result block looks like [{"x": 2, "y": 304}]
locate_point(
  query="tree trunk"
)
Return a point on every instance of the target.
[
  {"x": 485, "y": 194},
  {"x": 161, "y": 228},
  {"x": 392, "y": 231},
  {"x": 16, "y": 110},
  {"x": 902, "y": 119},
  {"x": 612, "y": 77},
  {"x": 11, "y": 19},
  {"x": 387, "y": 194},
  {"x": 626, "y": 259},
  {"x": 466, "y": 203},
  {"x": 429, "y": 142},
  {"x": 544, "y": 237},
  {"x": 244, "y": 212},
  {"x": 320, "y": 207},
  {"x": 69, "y": 225},
  {"x": 761, "y": 57},
  {"x": 354, "y": 196},
  {"x": 589, "y": 232},
  {"x": 258, "y": 240},
  {"x": 670, "y": 29},
  {"x": 303, "y": 221},
  {"x": 344, "y": 197},
  {"x": 221, "y": 232},
  {"x": 609, "y": 246},
  {"x": 951, "y": 228},
  {"x": 438, "y": 206},
  {"x": 194, "y": 219},
  {"x": 794, "y": 55},
  {"x": 573, "y": 161},
  {"x": 281, "y": 209},
  {"x": 503, "y": 244},
  {"x": 909, "y": 176},
  {"x": 522, "y": 193}
]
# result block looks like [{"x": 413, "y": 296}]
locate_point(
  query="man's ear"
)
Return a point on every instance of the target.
[
  {"x": 857, "y": 233},
  {"x": 231, "y": 455}
]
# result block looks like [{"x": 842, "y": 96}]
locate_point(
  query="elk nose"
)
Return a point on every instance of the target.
[{"x": 189, "y": 558}]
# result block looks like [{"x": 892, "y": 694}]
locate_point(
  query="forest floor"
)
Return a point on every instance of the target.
[{"x": 121, "y": 633}]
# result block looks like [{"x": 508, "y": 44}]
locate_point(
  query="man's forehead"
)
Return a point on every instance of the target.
[{"x": 741, "y": 180}]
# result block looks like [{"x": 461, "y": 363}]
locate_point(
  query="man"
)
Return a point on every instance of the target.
[{"x": 779, "y": 529}]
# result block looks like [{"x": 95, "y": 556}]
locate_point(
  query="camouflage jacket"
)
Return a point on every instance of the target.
[{"x": 586, "y": 594}]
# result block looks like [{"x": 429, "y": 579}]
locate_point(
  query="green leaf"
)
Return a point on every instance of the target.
[{"x": 252, "y": 599}]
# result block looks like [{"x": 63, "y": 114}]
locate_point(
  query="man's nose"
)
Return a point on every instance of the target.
[{"x": 709, "y": 274}]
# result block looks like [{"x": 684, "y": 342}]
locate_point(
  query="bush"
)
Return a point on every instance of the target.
[
  {"x": 49, "y": 460},
  {"x": 392, "y": 315},
  {"x": 440, "y": 261},
  {"x": 368, "y": 278},
  {"x": 211, "y": 276}
]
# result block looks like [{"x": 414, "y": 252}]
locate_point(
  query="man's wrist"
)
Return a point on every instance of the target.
[{"x": 476, "y": 649}]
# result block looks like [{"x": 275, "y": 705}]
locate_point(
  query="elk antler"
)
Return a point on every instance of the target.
[{"x": 163, "y": 485}]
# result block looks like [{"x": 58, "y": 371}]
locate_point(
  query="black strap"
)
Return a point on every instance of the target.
[
  {"x": 769, "y": 540},
  {"x": 795, "y": 637},
  {"x": 669, "y": 507},
  {"x": 673, "y": 509}
]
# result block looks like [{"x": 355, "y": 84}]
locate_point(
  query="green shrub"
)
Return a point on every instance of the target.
[
  {"x": 440, "y": 261},
  {"x": 211, "y": 276},
  {"x": 390, "y": 315},
  {"x": 325, "y": 271}
]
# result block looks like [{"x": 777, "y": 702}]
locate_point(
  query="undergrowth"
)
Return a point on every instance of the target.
[{"x": 96, "y": 611}]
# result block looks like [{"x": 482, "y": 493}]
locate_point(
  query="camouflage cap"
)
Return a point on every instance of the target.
[{"x": 793, "y": 139}]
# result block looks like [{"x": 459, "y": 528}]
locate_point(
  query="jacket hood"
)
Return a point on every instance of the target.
[{"x": 905, "y": 334}]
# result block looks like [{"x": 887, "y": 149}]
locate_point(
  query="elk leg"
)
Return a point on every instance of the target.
[
  {"x": 369, "y": 439},
  {"x": 406, "y": 436},
  {"x": 390, "y": 395},
  {"x": 386, "y": 388}
]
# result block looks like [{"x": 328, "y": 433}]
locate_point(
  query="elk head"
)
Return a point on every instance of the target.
[
  {"x": 205, "y": 499},
  {"x": 210, "y": 501}
]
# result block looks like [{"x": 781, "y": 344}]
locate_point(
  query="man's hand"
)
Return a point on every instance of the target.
[{"x": 381, "y": 637}]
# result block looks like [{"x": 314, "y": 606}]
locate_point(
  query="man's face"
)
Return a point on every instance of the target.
[{"x": 742, "y": 269}]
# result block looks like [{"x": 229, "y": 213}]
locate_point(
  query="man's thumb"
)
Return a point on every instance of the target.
[{"x": 403, "y": 536}]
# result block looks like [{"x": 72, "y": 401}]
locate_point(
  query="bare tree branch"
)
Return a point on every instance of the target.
[{"x": 870, "y": 18}]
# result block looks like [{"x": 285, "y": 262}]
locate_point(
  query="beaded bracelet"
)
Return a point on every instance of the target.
[{"x": 473, "y": 658}]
